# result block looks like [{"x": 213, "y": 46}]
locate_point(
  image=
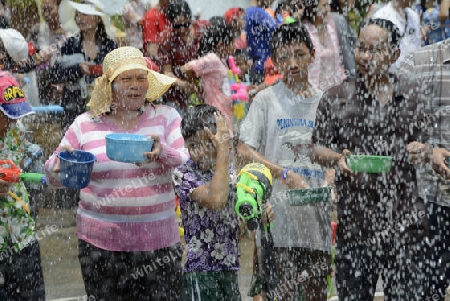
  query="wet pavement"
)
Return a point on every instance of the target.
[{"x": 62, "y": 275}]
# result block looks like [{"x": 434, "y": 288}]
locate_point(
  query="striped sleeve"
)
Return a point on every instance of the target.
[{"x": 173, "y": 152}]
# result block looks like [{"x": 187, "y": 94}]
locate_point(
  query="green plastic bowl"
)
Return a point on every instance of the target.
[
  {"x": 301, "y": 197},
  {"x": 369, "y": 164}
]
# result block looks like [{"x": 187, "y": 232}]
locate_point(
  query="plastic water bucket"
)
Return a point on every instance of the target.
[
  {"x": 76, "y": 168},
  {"x": 129, "y": 148}
]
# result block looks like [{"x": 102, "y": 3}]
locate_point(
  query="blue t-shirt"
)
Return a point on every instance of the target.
[
  {"x": 259, "y": 26},
  {"x": 438, "y": 31}
]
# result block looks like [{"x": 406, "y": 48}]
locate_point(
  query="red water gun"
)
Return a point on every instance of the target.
[{"x": 9, "y": 172}]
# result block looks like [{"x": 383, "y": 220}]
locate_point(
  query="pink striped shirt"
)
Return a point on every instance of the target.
[{"x": 126, "y": 207}]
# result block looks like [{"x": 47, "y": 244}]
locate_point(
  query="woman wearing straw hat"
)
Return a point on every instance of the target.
[{"x": 129, "y": 244}]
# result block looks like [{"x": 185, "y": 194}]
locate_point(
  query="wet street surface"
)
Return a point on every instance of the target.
[
  {"x": 60, "y": 264},
  {"x": 63, "y": 281}
]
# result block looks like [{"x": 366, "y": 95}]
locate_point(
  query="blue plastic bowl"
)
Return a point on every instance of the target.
[
  {"x": 75, "y": 168},
  {"x": 129, "y": 148}
]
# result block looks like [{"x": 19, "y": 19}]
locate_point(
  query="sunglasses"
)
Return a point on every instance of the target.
[{"x": 177, "y": 26}]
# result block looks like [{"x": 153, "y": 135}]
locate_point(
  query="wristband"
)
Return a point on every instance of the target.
[{"x": 284, "y": 175}]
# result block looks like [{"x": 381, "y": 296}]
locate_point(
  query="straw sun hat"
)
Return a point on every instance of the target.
[{"x": 117, "y": 61}]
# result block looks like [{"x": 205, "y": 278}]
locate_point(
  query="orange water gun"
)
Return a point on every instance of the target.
[{"x": 9, "y": 172}]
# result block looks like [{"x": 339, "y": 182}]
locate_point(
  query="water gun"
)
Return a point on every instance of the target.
[
  {"x": 288, "y": 19},
  {"x": 253, "y": 190},
  {"x": 285, "y": 18},
  {"x": 9, "y": 172},
  {"x": 239, "y": 92}
]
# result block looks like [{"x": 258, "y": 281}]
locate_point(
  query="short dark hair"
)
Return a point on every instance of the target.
[
  {"x": 392, "y": 30},
  {"x": 220, "y": 31},
  {"x": 177, "y": 8},
  {"x": 289, "y": 33},
  {"x": 288, "y": 5},
  {"x": 197, "y": 118},
  {"x": 215, "y": 19},
  {"x": 335, "y": 6},
  {"x": 242, "y": 53},
  {"x": 310, "y": 10}
]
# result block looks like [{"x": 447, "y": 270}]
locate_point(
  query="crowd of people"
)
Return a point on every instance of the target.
[{"x": 315, "y": 91}]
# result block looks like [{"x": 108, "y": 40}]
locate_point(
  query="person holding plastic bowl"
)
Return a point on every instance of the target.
[
  {"x": 126, "y": 218},
  {"x": 363, "y": 128}
]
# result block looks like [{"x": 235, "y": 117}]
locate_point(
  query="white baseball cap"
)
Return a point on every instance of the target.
[{"x": 15, "y": 44}]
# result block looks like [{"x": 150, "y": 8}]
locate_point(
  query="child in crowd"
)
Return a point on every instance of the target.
[
  {"x": 207, "y": 201},
  {"x": 243, "y": 62},
  {"x": 212, "y": 69},
  {"x": 20, "y": 262},
  {"x": 277, "y": 133}
]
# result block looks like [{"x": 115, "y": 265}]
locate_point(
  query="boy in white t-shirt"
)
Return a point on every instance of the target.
[{"x": 277, "y": 133}]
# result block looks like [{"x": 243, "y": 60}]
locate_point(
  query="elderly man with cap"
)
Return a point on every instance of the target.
[{"x": 126, "y": 223}]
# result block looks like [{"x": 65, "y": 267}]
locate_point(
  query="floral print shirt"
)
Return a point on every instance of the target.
[
  {"x": 212, "y": 237},
  {"x": 15, "y": 223}
]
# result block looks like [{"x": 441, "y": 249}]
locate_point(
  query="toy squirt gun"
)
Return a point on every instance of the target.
[
  {"x": 239, "y": 92},
  {"x": 254, "y": 188},
  {"x": 10, "y": 173}
]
